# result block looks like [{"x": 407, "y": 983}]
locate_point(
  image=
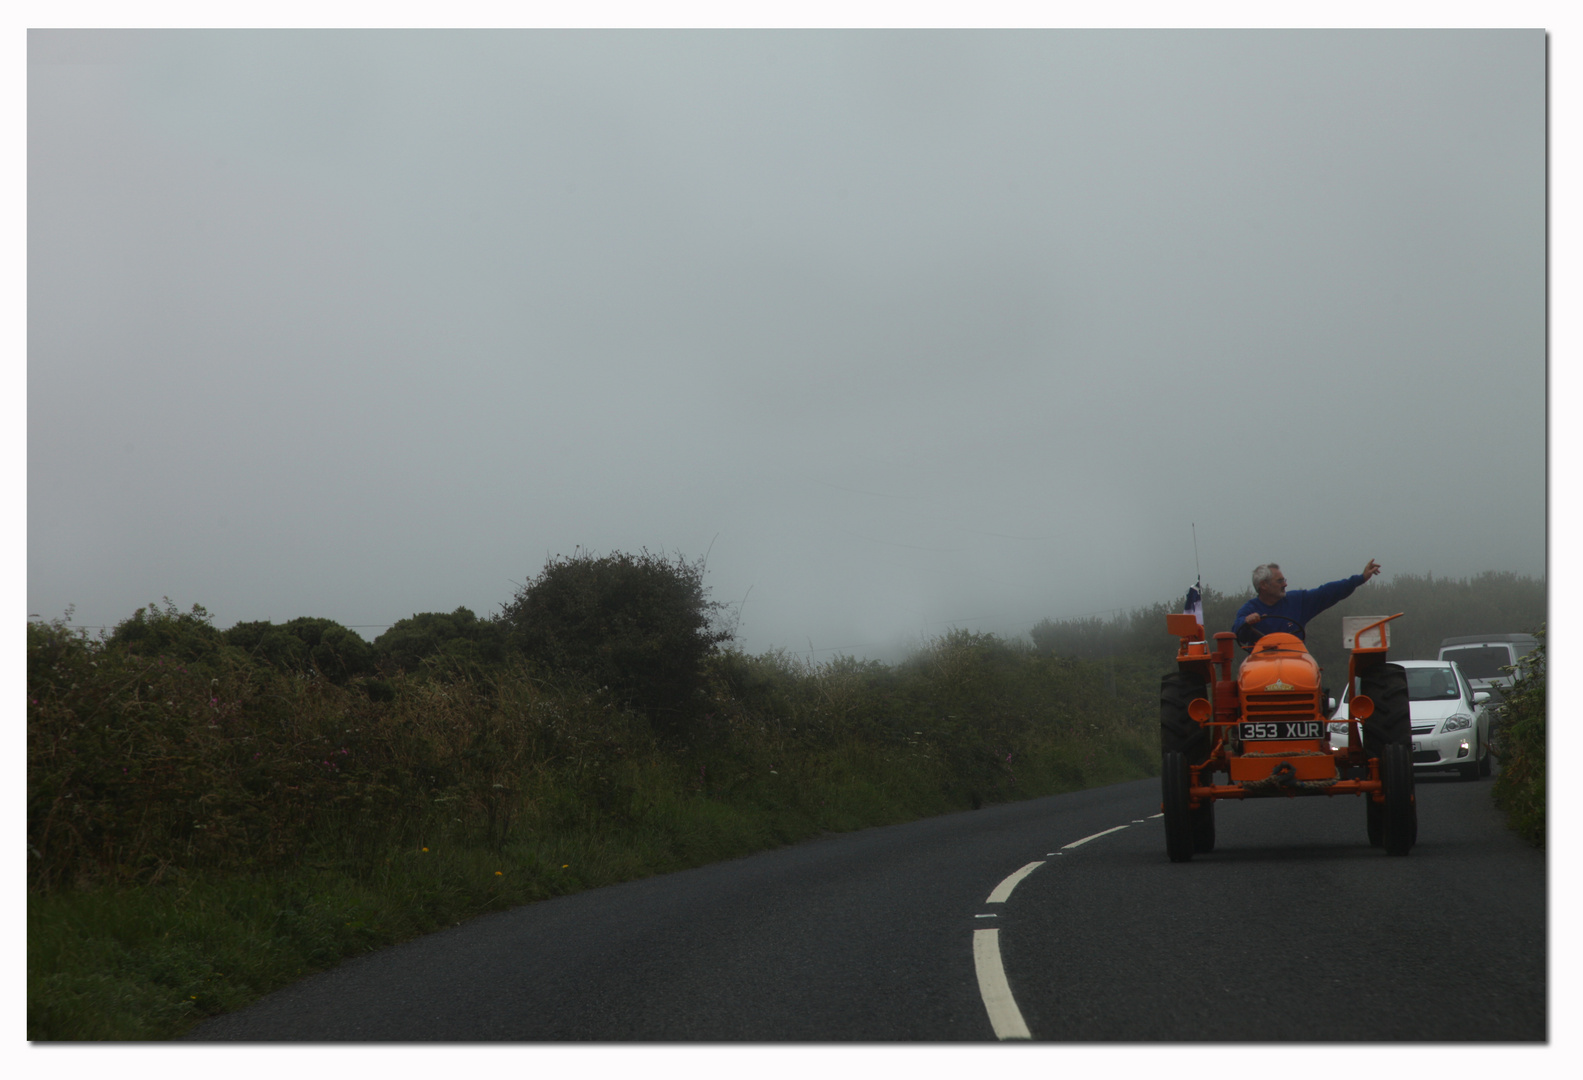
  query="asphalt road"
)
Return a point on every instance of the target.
[{"x": 1293, "y": 929}]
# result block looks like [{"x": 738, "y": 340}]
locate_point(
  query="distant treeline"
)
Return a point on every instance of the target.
[{"x": 1433, "y": 608}]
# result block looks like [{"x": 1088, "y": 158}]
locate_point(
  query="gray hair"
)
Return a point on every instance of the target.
[{"x": 1263, "y": 573}]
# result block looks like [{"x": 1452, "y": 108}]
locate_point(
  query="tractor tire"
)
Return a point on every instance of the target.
[
  {"x": 1179, "y": 732},
  {"x": 1374, "y": 814},
  {"x": 1203, "y": 820},
  {"x": 1174, "y": 798},
  {"x": 1392, "y": 723},
  {"x": 1401, "y": 805}
]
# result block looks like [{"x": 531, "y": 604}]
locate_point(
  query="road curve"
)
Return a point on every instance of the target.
[{"x": 1293, "y": 929}]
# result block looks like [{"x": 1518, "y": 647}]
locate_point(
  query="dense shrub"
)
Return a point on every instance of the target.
[
  {"x": 641, "y": 626},
  {"x": 458, "y": 641},
  {"x": 1520, "y": 747},
  {"x": 137, "y": 766},
  {"x": 992, "y": 716},
  {"x": 140, "y": 766},
  {"x": 306, "y": 646},
  {"x": 155, "y": 631}
]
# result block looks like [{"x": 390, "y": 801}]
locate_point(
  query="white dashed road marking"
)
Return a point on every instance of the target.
[
  {"x": 1003, "y": 890},
  {"x": 1096, "y": 836},
  {"x": 1004, "y": 1015}
]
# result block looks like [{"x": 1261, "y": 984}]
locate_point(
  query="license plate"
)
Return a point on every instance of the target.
[{"x": 1282, "y": 729}]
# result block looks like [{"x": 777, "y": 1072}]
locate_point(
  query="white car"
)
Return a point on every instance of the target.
[{"x": 1451, "y": 721}]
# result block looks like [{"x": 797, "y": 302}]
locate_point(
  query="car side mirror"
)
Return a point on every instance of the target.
[
  {"x": 1330, "y": 706},
  {"x": 1480, "y": 696}
]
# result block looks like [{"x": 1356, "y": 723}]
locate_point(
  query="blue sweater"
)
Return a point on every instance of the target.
[{"x": 1292, "y": 611}]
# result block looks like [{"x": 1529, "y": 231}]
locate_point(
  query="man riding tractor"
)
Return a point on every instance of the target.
[
  {"x": 1265, "y": 726},
  {"x": 1292, "y": 610}
]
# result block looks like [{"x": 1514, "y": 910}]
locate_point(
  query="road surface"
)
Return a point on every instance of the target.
[{"x": 1053, "y": 919}]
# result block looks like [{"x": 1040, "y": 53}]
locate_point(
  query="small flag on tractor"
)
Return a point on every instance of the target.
[{"x": 1194, "y": 606}]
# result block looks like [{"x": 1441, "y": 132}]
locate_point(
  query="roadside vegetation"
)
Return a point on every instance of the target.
[
  {"x": 1520, "y": 745},
  {"x": 213, "y": 814}
]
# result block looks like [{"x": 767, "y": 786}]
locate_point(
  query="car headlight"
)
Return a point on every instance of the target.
[
  {"x": 1457, "y": 723},
  {"x": 1338, "y": 727}
]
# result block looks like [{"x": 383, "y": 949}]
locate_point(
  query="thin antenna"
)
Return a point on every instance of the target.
[{"x": 1200, "y": 572}]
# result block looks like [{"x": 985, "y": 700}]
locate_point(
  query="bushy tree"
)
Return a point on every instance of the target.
[
  {"x": 641, "y": 625},
  {"x": 269, "y": 644},
  {"x": 458, "y": 638},
  {"x": 155, "y": 631},
  {"x": 305, "y": 645}
]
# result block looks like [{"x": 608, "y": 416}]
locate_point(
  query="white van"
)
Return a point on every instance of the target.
[{"x": 1482, "y": 656}]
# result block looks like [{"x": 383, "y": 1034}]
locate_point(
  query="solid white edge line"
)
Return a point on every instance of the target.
[
  {"x": 1004, "y": 1015},
  {"x": 1096, "y": 836},
  {"x": 1003, "y": 890}
]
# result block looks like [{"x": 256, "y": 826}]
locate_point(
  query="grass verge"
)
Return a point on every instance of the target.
[{"x": 148, "y": 961}]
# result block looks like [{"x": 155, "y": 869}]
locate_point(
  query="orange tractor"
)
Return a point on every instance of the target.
[{"x": 1268, "y": 732}]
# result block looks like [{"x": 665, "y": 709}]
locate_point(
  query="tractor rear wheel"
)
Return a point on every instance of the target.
[
  {"x": 1391, "y": 723},
  {"x": 1174, "y": 781},
  {"x": 1401, "y": 806},
  {"x": 1375, "y": 814}
]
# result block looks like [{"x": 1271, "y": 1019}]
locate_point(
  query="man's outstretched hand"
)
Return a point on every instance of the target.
[{"x": 1370, "y": 570}]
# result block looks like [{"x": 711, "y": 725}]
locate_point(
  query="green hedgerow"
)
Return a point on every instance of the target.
[{"x": 1520, "y": 788}]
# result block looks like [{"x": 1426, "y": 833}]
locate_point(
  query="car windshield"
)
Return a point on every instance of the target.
[
  {"x": 1431, "y": 684},
  {"x": 1480, "y": 661}
]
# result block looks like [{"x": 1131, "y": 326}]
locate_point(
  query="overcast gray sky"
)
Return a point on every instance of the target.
[{"x": 908, "y": 330}]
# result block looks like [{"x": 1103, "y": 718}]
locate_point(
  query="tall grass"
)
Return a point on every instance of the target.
[{"x": 203, "y": 829}]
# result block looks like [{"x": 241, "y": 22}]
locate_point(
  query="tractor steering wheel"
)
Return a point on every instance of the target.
[{"x": 1258, "y": 628}]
